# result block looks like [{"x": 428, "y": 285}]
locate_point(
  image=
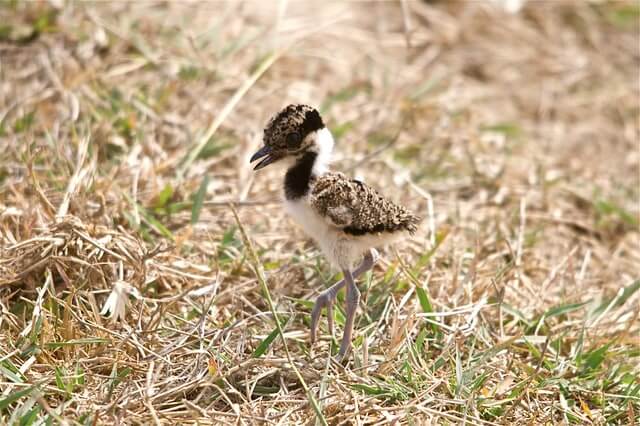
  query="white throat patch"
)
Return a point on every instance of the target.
[{"x": 324, "y": 142}]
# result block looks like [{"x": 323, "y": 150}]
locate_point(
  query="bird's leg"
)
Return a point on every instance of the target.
[
  {"x": 328, "y": 297},
  {"x": 353, "y": 300}
]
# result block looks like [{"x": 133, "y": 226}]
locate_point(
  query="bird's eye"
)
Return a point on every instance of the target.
[{"x": 293, "y": 140}]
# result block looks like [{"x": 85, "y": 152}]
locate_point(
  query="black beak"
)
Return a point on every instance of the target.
[{"x": 265, "y": 151}]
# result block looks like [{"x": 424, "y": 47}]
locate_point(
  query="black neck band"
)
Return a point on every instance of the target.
[{"x": 296, "y": 181}]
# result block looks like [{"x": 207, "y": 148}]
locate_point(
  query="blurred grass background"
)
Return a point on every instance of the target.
[{"x": 512, "y": 127}]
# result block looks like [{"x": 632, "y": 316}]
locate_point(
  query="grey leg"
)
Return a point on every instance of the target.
[
  {"x": 353, "y": 300},
  {"x": 328, "y": 297}
]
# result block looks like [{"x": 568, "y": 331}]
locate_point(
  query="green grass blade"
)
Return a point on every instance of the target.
[
  {"x": 516, "y": 314},
  {"x": 30, "y": 417},
  {"x": 594, "y": 358},
  {"x": 264, "y": 345},
  {"x": 427, "y": 307},
  {"x": 563, "y": 309},
  {"x": 426, "y": 257},
  {"x": 164, "y": 196},
  {"x": 198, "y": 200},
  {"x": 59, "y": 381},
  {"x": 163, "y": 230},
  {"x": 14, "y": 396},
  {"x": 425, "y": 303},
  {"x": 9, "y": 374}
]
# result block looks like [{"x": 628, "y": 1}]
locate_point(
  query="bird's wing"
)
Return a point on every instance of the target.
[{"x": 356, "y": 208}]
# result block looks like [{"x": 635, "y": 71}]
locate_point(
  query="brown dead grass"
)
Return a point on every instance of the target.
[{"x": 515, "y": 136}]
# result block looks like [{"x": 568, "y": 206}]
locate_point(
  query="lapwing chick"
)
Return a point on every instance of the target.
[{"x": 347, "y": 218}]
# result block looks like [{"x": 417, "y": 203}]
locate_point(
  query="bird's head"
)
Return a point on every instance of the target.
[{"x": 292, "y": 133}]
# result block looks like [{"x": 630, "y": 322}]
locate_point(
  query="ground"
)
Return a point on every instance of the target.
[{"x": 126, "y": 130}]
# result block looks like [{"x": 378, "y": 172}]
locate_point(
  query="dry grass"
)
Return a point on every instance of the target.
[{"x": 125, "y": 133}]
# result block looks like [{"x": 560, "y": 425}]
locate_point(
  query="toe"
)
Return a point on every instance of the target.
[
  {"x": 315, "y": 316},
  {"x": 330, "y": 318}
]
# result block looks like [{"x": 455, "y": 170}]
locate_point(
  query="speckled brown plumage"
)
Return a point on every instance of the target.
[
  {"x": 356, "y": 208},
  {"x": 287, "y": 129}
]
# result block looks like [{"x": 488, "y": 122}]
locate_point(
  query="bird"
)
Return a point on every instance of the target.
[{"x": 347, "y": 218}]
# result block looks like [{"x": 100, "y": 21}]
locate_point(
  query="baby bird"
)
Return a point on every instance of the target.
[{"x": 346, "y": 217}]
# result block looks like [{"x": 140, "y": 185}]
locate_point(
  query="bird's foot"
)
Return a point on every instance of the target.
[{"x": 345, "y": 348}]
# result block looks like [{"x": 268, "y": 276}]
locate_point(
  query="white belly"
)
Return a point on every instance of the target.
[
  {"x": 343, "y": 251},
  {"x": 332, "y": 242}
]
